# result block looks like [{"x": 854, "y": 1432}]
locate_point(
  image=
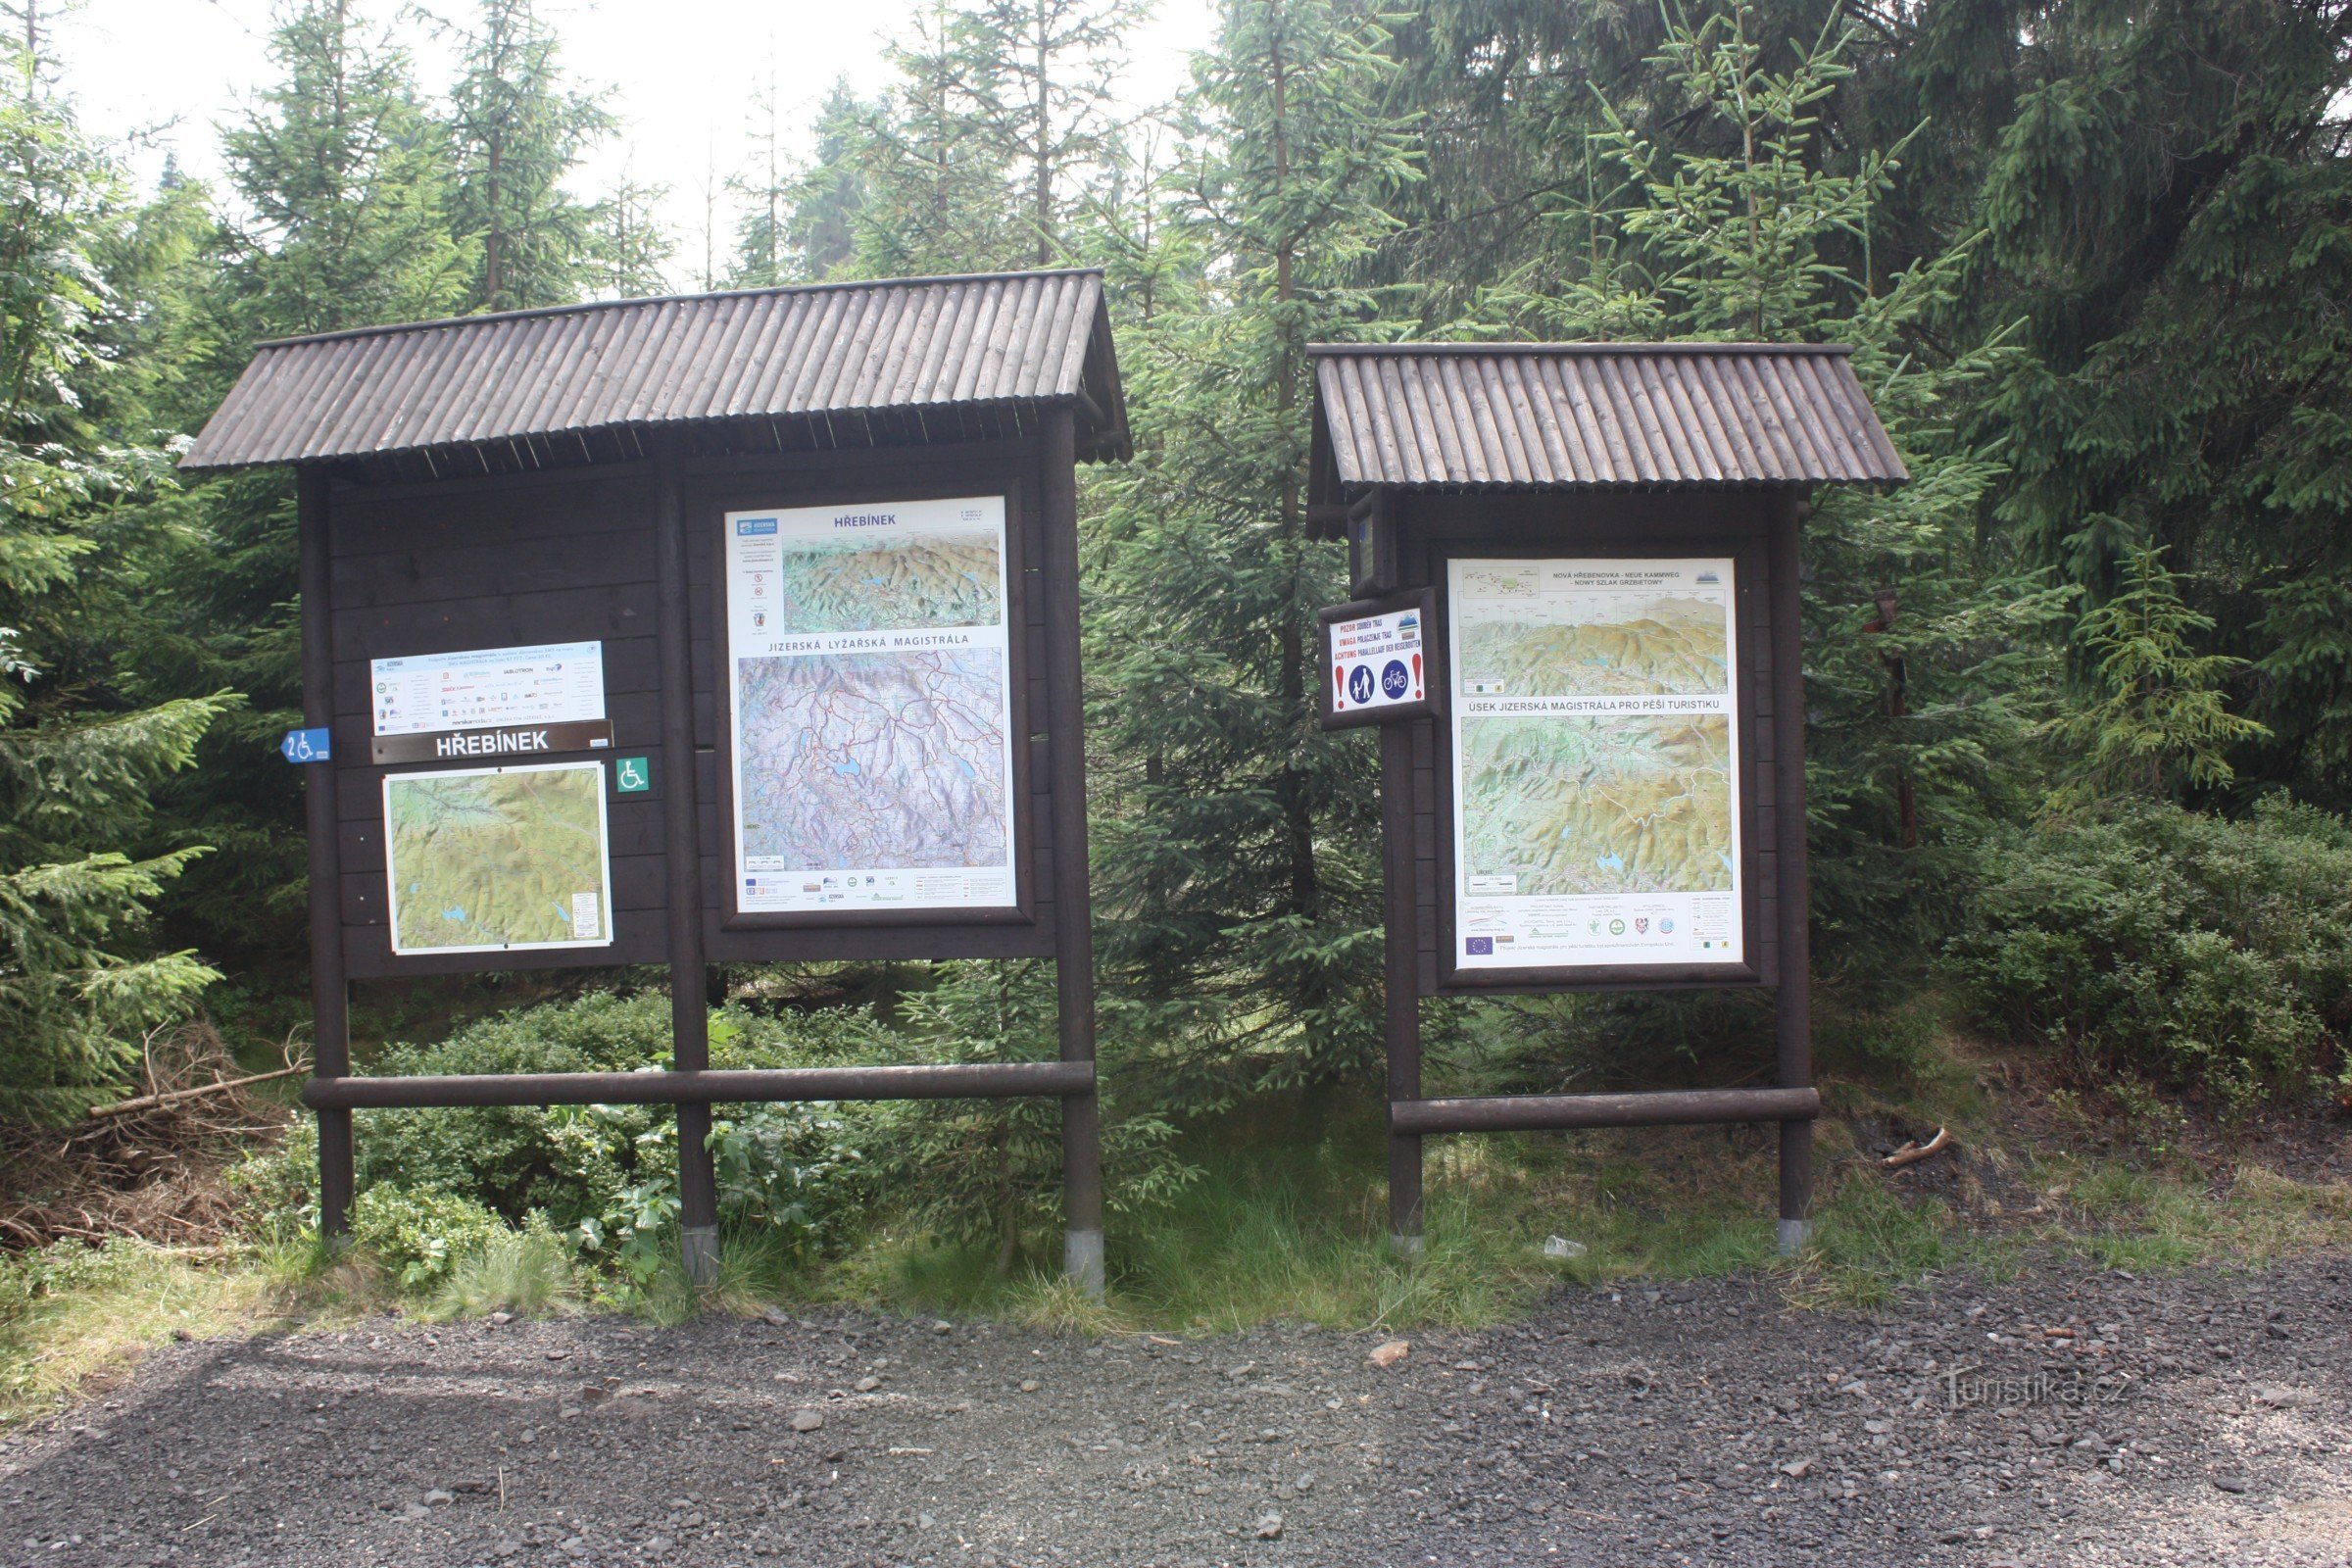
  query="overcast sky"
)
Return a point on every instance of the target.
[{"x": 168, "y": 73}]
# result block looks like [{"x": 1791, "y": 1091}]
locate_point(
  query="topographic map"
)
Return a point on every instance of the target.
[
  {"x": 873, "y": 760},
  {"x": 501, "y": 857},
  {"x": 1595, "y": 739},
  {"x": 907, "y": 580},
  {"x": 1668, "y": 646},
  {"x": 1612, "y": 804}
]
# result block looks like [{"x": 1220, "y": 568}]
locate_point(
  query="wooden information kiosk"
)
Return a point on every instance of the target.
[
  {"x": 717, "y": 629},
  {"x": 1578, "y": 626}
]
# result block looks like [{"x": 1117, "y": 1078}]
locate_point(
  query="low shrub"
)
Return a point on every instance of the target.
[
  {"x": 419, "y": 1237},
  {"x": 606, "y": 1176},
  {"x": 2195, "y": 951}
]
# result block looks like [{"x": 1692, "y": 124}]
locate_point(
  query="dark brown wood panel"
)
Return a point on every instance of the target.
[{"x": 509, "y": 559}]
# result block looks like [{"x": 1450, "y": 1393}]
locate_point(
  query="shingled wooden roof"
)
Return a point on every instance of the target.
[
  {"x": 825, "y": 364},
  {"x": 1591, "y": 416}
]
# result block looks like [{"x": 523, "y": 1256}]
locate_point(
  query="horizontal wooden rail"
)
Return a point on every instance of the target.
[
  {"x": 988, "y": 1080},
  {"x": 1672, "y": 1107}
]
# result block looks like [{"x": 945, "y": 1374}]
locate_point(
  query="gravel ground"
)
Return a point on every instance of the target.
[{"x": 1700, "y": 1423}]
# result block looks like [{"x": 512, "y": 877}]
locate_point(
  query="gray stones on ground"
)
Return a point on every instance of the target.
[
  {"x": 804, "y": 1420},
  {"x": 1270, "y": 1527}
]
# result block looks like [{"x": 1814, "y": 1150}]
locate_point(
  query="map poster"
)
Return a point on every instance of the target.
[
  {"x": 491, "y": 859},
  {"x": 1596, "y": 786},
  {"x": 871, "y": 694}
]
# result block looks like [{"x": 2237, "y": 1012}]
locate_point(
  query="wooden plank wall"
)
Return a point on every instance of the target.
[
  {"x": 568, "y": 554},
  {"x": 1663, "y": 523}
]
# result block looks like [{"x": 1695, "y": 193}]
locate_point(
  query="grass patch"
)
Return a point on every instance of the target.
[
  {"x": 522, "y": 1272},
  {"x": 73, "y": 1319},
  {"x": 2171, "y": 1215}
]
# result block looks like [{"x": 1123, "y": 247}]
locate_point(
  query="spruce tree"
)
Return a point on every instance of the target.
[
  {"x": 516, "y": 131},
  {"x": 1045, "y": 88},
  {"x": 342, "y": 219},
  {"x": 633, "y": 247},
  {"x": 830, "y": 194},
  {"x": 80, "y": 977},
  {"x": 763, "y": 236},
  {"x": 934, "y": 186},
  {"x": 2169, "y": 206},
  {"x": 346, "y": 177},
  {"x": 1235, "y": 872}
]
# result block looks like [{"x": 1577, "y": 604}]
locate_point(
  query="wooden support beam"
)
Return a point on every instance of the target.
[
  {"x": 1666, "y": 1107},
  {"x": 330, "y": 986},
  {"x": 704, "y": 1087}
]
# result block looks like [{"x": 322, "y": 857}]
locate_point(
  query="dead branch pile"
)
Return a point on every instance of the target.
[{"x": 149, "y": 1166}]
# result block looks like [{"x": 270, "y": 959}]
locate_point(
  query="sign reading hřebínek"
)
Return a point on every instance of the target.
[{"x": 489, "y": 702}]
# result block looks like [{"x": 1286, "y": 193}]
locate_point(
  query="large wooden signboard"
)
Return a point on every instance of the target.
[{"x": 760, "y": 643}]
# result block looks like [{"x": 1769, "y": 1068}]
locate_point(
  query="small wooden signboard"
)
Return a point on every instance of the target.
[{"x": 1605, "y": 790}]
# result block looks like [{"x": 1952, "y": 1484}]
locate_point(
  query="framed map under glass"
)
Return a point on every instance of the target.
[
  {"x": 1595, "y": 751},
  {"x": 870, "y": 694},
  {"x": 489, "y": 859}
]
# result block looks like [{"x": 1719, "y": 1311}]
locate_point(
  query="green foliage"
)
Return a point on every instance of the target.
[
  {"x": 2192, "y": 950},
  {"x": 2160, "y": 723},
  {"x": 347, "y": 177},
  {"x": 989, "y": 1170},
  {"x": 2170, "y": 199},
  {"x": 81, "y": 981},
  {"x": 1233, "y": 865},
  {"x": 607, "y": 1174},
  {"x": 418, "y": 1237},
  {"x": 516, "y": 133}
]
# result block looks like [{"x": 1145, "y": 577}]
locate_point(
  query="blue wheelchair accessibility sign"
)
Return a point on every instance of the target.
[{"x": 304, "y": 746}]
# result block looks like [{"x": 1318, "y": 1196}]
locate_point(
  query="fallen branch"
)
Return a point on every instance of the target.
[
  {"x": 1911, "y": 1153},
  {"x": 173, "y": 1096}
]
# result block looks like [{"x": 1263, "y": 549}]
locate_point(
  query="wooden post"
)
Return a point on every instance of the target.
[
  {"x": 683, "y": 854},
  {"x": 1794, "y": 1002},
  {"x": 330, "y": 991},
  {"x": 1073, "y": 910},
  {"x": 1401, "y": 973}
]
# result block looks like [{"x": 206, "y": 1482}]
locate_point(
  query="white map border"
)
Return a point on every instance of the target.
[
  {"x": 604, "y": 862},
  {"x": 1647, "y": 949},
  {"x": 997, "y": 639}
]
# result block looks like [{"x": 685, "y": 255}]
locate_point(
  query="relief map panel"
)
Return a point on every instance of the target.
[
  {"x": 488, "y": 859},
  {"x": 872, "y": 700},
  {"x": 1596, "y": 744}
]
